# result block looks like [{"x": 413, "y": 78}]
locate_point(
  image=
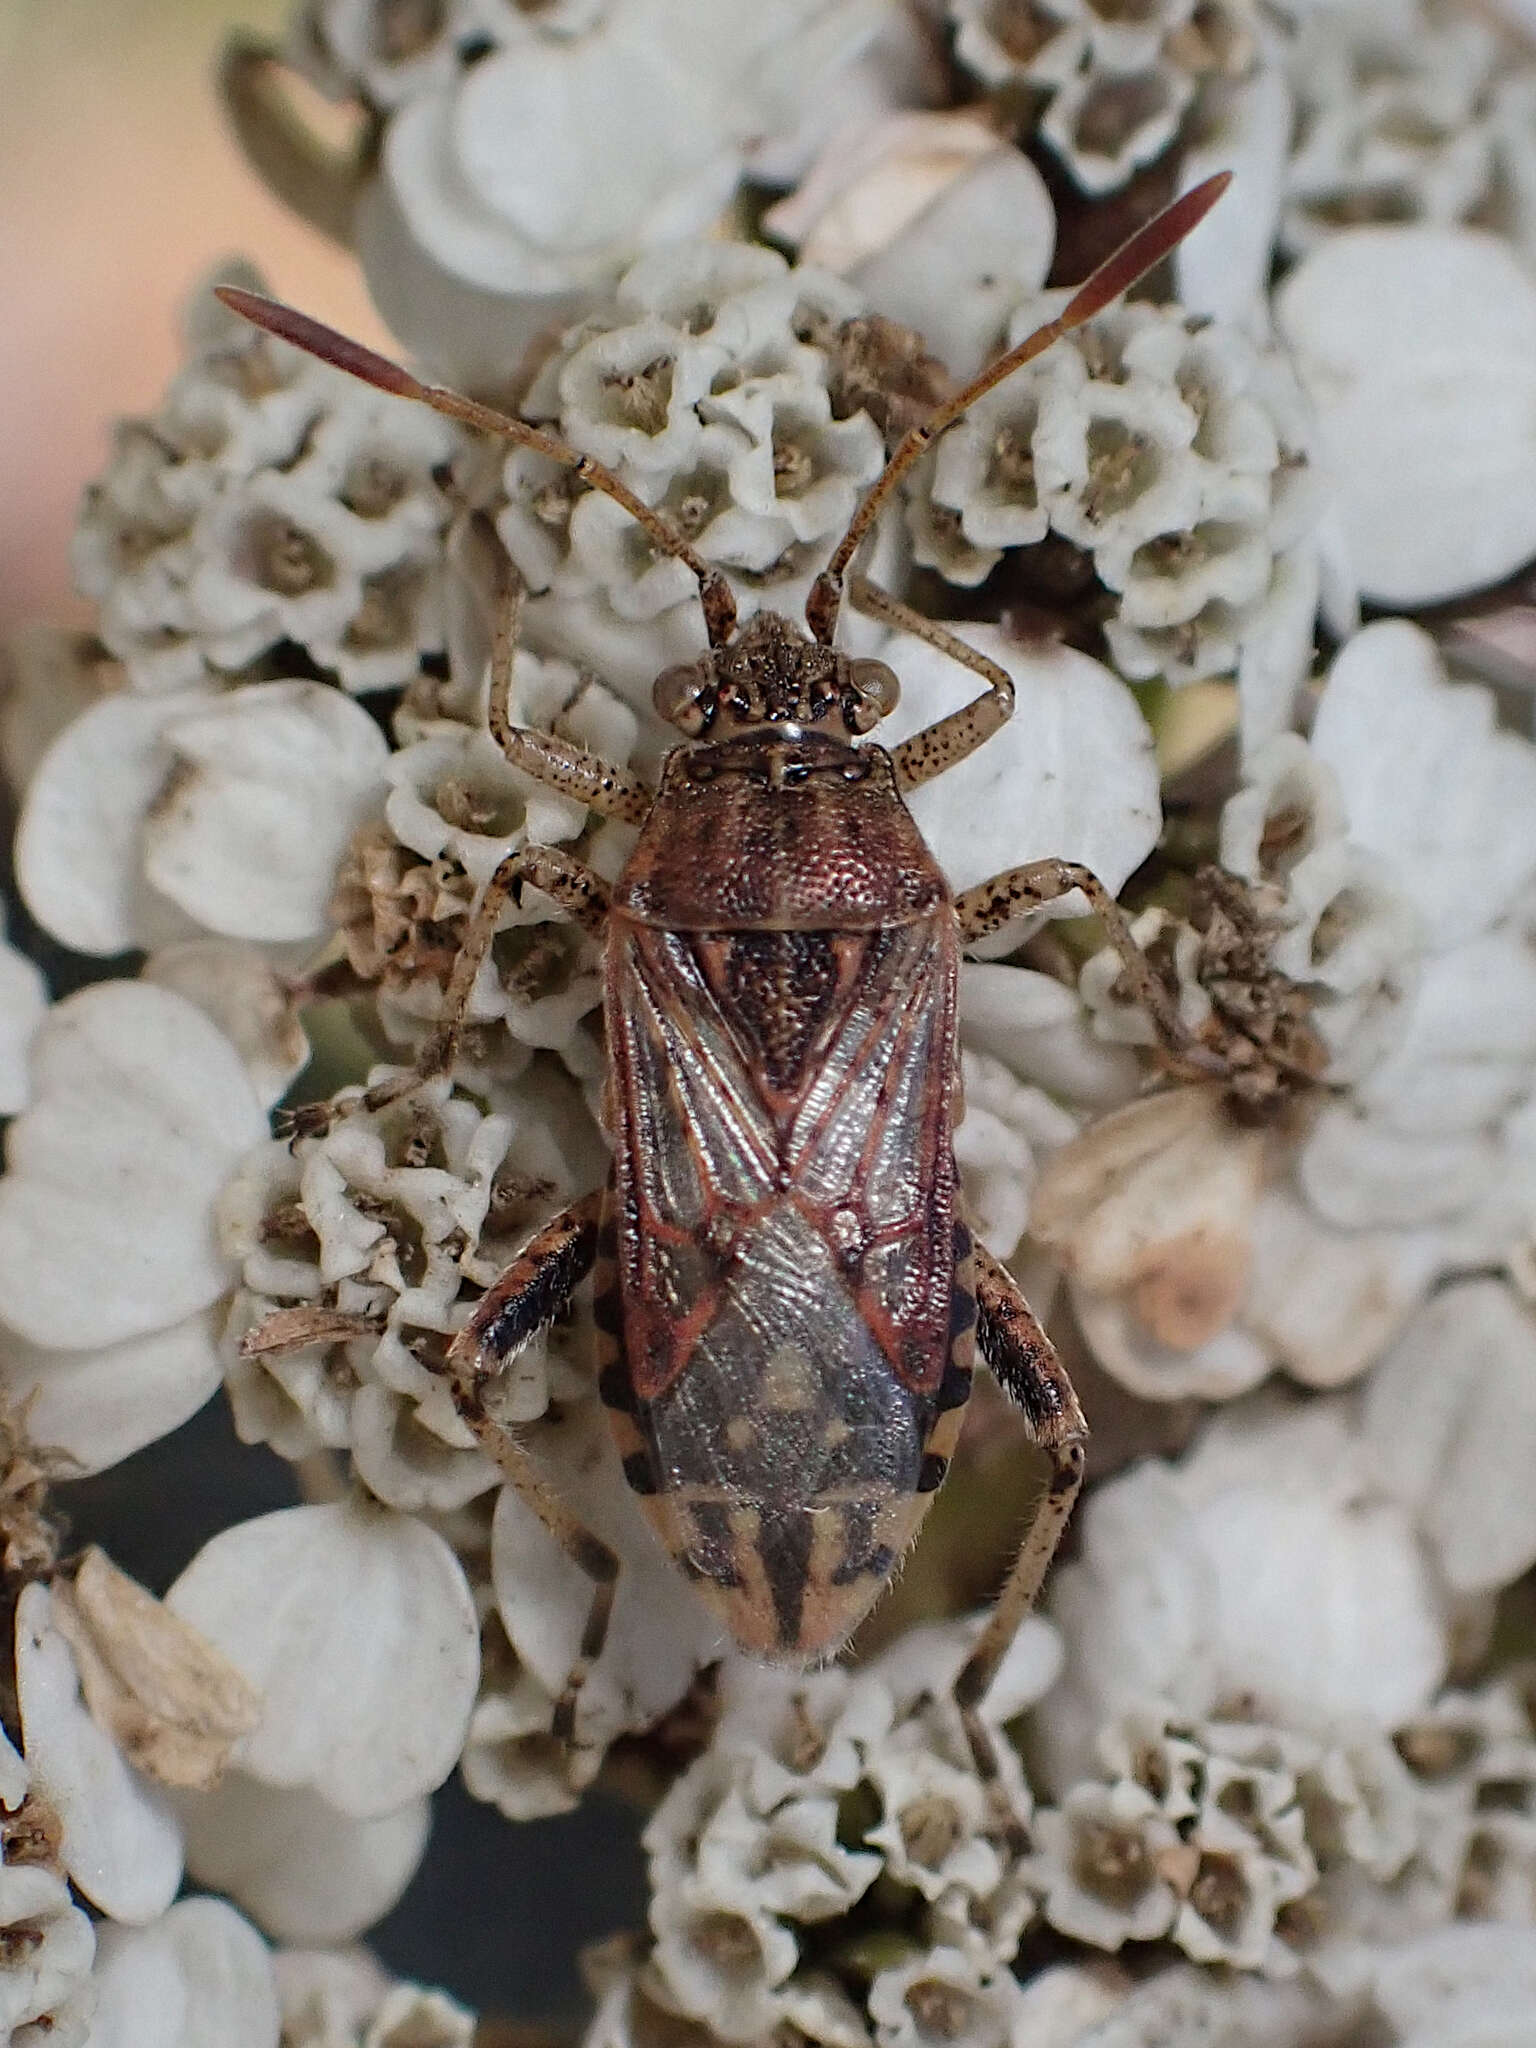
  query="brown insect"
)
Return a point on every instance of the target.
[{"x": 788, "y": 1298}]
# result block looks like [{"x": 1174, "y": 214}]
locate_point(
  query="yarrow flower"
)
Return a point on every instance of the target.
[{"x": 1262, "y": 1149}]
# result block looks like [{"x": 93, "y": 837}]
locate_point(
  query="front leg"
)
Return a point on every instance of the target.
[
  {"x": 582, "y": 894},
  {"x": 1023, "y": 1361},
  {"x": 991, "y": 905},
  {"x": 939, "y": 746},
  {"x": 528, "y": 1296},
  {"x": 560, "y": 764}
]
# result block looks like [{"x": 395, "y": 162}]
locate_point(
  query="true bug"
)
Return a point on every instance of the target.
[{"x": 788, "y": 1299}]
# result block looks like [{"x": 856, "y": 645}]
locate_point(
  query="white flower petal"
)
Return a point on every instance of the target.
[
  {"x": 303, "y": 1871},
  {"x": 1467, "y": 1043},
  {"x": 1450, "y": 1418},
  {"x": 1430, "y": 782},
  {"x": 1156, "y": 1201},
  {"x": 268, "y": 786},
  {"x": 1223, "y": 1365},
  {"x": 1072, "y": 774},
  {"x": 1323, "y": 1301},
  {"x": 237, "y": 986},
  {"x": 872, "y": 179},
  {"x": 23, "y": 1004},
  {"x": 1277, "y": 643},
  {"x": 1361, "y": 1174},
  {"x": 1482, "y": 1979},
  {"x": 1245, "y": 128},
  {"x": 86, "y": 1410},
  {"x": 142, "y": 1108},
  {"x": 1325, "y": 1607},
  {"x": 13, "y": 1774},
  {"x": 961, "y": 267},
  {"x": 1038, "y": 1027},
  {"x": 200, "y": 1976},
  {"x": 122, "y": 1843},
  {"x": 1267, "y": 1568},
  {"x": 79, "y": 858},
  {"x": 327, "y": 1992},
  {"x": 1417, "y": 346},
  {"x": 45, "y": 1993},
  {"x": 358, "y": 1627}
]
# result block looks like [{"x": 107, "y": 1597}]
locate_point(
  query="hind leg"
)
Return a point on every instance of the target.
[{"x": 1023, "y": 1361}]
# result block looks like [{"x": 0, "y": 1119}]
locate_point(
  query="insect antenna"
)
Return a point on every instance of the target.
[
  {"x": 1116, "y": 274},
  {"x": 344, "y": 354}
]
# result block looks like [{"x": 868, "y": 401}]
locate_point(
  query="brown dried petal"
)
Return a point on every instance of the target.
[
  {"x": 295, "y": 1329},
  {"x": 175, "y": 1705}
]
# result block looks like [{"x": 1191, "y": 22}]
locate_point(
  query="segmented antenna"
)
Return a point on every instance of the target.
[
  {"x": 1116, "y": 274},
  {"x": 288, "y": 324},
  {"x": 1131, "y": 261}
]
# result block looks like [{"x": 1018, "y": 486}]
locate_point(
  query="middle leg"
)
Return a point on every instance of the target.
[
  {"x": 560, "y": 764},
  {"x": 991, "y": 905},
  {"x": 578, "y": 889},
  {"x": 939, "y": 746}
]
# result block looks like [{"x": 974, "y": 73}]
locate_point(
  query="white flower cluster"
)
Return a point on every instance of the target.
[
  {"x": 838, "y": 1832},
  {"x": 272, "y": 511},
  {"x": 1116, "y": 82},
  {"x": 1267, "y": 1773},
  {"x": 713, "y": 384},
  {"x": 1167, "y": 450},
  {"x": 452, "y": 809},
  {"x": 1406, "y": 112},
  {"x": 135, "y": 1733},
  {"x": 1206, "y": 1249},
  {"x": 528, "y": 153},
  {"x": 360, "y": 1254}
]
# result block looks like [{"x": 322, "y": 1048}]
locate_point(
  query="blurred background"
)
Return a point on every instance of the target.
[{"x": 119, "y": 188}]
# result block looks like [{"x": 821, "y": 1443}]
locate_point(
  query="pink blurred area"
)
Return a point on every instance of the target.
[{"x": 119, "y": 188}]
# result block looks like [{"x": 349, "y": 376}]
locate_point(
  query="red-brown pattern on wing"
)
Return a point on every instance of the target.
[{"x": 707, "y": 1154}]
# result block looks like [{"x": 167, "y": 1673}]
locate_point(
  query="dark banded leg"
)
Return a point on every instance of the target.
[
  {"x": 1023, "y": 1361},
  {"x": 580, "y": 892},
  {"x": 531, "y": 1292},
  {"x": 991, "y": 905},
  {"x": 939, "y": 746}
]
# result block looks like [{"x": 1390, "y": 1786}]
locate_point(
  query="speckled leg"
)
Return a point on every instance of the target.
[
  {"x": 558, "y": 763},
  {"x": 581, "y": 892},
  {"x": 529, "y": 1294},
  {"x": 1023, "y": 1361},
  {"x": 991, "y": 905},
  {"x": 939, "y": 746}
]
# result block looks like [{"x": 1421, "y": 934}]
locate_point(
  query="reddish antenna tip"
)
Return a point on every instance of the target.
[
  {"x": 316, "y": 339},
  {"x": 1144, "y": 251}
]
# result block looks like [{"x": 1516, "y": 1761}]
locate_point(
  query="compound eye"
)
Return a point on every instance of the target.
[
  {"x": 876, "y": 693},
  {"x": 677, "y": 694}
]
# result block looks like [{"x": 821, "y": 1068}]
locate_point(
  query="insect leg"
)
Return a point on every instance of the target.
[
  {"x": 532, "y": 1291},
  {"x": 948, "y": 740},
  {"x": 558, "y": 763},
  {"x": 1023, "y": 1361},
  {"x": 991, "y": 905},
  {"x": 581, "y": 892}
]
